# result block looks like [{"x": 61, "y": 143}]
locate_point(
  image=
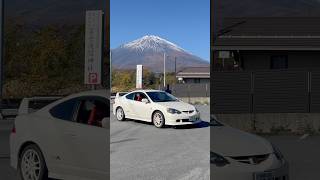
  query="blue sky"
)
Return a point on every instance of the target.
[{"x": 183, "y": 22}]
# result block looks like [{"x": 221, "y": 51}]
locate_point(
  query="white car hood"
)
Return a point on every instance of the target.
[
  {"x": 178, "y": 105},
  {"x": 228, "y": 141}
]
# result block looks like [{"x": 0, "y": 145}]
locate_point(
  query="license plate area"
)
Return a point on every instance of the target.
[{"x": 263, "y": 176}]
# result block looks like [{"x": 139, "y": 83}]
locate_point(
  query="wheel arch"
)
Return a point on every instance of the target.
[
  {"x": 24, "y": 145},
  {"x": 118, "y": 106},
  {"x": 154, "y": 111}
]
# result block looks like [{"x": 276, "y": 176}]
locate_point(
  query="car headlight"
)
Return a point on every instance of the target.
[
  {"x": 277, "y": 153},
  {"x": 218, "y": 160},
  {"x": 173, "y": 111}
]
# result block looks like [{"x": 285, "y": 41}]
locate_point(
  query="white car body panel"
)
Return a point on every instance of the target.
[
  {"x": 143, "y": 111},
  {"x": 231, "y": 143},
  {"x": 71, "y": 150}
]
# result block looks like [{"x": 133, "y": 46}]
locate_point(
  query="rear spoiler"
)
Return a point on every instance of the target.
[{"x": 29, "y": 105}]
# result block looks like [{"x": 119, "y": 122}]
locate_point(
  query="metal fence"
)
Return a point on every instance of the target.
[
  {"x": 191, "y": 90},
  {"x": 276, "y": 91}
]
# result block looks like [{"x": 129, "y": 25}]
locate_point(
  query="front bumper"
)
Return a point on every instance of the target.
[
  {"x": 182, "y": 119},
  {"x": 240, "y": 171}
]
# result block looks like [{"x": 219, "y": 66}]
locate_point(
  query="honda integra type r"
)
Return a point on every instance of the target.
[
  {"x": 242, "y": 156},
  {"x": 66, "y": 139},
  {"x": 154, "y": 106}
]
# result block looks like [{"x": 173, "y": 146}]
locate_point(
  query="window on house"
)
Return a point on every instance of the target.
[
  {"x": 279, "y": 62},
  {"x": 196, "y": 80}
]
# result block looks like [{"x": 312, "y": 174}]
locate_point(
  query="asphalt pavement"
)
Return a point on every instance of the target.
[
  {"x": 140, "y": 151},
  {"x": 302, "y": 154}
]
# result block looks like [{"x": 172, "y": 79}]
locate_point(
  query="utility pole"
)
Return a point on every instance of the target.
[
  {"x": 175, "y": 66},
  {"x": 164, "y": 70},
  {"x": 110, "y": 69}
]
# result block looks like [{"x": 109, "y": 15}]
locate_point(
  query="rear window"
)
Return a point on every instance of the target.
[
  {"x": 122, "y": 93},
  {"x": 35, "y": 105},
  {"x": 130, "y": 96},
  {"x": 64, "y": 110}
]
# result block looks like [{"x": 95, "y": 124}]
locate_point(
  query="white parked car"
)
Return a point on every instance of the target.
[
  {"x": 154, "y": 106},
  {"x": 66, "y": 139},
  {"x": 242, "y": 156}
]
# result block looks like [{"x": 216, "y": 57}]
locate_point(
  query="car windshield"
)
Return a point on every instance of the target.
[
  {"x": 159, "y": 96},
  {"x": 214, "y": 122}
]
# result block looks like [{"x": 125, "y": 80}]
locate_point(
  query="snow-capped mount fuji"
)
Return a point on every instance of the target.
[
  {"x": 152, "y": 43},
  {"x": 149, "y": 51}
]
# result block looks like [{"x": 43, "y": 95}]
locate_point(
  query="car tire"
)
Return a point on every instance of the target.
[
  {"x": 158, "y": 119},
  {"x": 32, "y": 165},
  {"x": 120, "y": 114}
]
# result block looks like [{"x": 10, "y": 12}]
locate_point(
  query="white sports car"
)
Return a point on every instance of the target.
[
  {"x": 242, "y": 156},
  {"x": 67, "y": 139},
  {"x": 154, "y": 106}
]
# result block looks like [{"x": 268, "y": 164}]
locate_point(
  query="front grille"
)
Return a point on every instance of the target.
[
  {"x": 182, "y": 120},
  {"x": 251, "y": 159},
  {"x": 188, "y": 112}
]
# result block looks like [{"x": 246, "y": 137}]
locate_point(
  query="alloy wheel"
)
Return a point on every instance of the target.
[
  {"x": 158, "y": 119},
  {"x": 120, "y": 114},
  {"x": 31, "y": 165}
]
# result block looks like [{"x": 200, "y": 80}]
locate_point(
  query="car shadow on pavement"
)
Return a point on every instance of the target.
[{"x": 202, "y": 124}]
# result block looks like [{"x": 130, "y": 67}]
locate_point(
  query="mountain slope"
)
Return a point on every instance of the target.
[{"x": 149, "y": 51}]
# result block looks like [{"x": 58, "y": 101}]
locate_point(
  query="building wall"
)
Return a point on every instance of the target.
[
  {"x": 274, "y": 123},
  {"x": 261, "y": 60}
]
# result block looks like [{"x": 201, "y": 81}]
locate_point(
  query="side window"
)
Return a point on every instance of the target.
[
  {"x": 130, "y": 96},
  {"x": 64, "y": 110},
  {"x": 92, "y": 111},
  {"x": 139, "y": 96}
]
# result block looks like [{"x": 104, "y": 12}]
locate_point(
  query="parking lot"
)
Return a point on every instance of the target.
[{"x": 141, "y": 151}]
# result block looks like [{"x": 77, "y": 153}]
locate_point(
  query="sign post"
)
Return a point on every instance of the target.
[
  {"x": 93, "y": 47},
  {"x": 139, "y": 77}
]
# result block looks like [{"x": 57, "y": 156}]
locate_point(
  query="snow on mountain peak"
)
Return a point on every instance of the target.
[{"x": 152, "y": 42}]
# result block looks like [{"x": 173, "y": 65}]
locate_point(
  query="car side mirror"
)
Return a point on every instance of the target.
[
  {"x": 105, "y": 122},
  {"x": 144, "y": 100}
]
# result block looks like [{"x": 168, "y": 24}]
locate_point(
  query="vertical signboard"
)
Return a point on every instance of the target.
[
  {"x": 139, "y": 76},
  {"x": 93, "y": 47}
]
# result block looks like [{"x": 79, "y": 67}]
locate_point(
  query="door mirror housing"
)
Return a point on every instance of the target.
[{"x": 144, "y": 100}]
